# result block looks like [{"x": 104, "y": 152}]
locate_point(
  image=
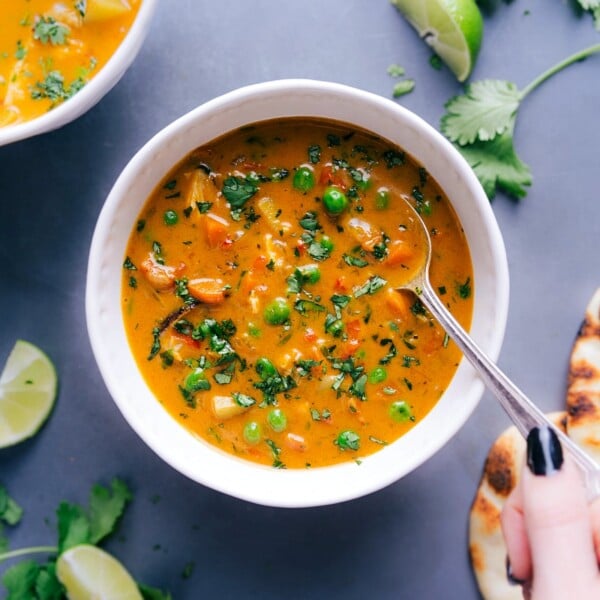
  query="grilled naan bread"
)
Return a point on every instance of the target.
[
  {"x": 583, "y": 392},
  {"x": 505, "y": 460}
]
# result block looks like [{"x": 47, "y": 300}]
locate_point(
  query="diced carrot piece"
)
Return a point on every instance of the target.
[
  {"x": 349, "y": 348},
  {"x": 340, "y": 285},
  {"x": 398, "y": 302},
  {"x": 217, "y": 230},
  {"x": 310, "y": 335},
  {"x": 295, "y": 442},
  {"x": 332, "y": 176},
  {"x": 207, "y": 290},
  {"x": 399, "y": 252},
  {"x": 185, "y": 339},
  {"x": 353, "y": 328},
  {"x": 260, "y": 262}
]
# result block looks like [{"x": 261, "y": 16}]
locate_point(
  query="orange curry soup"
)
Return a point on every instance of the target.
[
  {"x": 49, "y": 49},
  {"x": 259, "y": 301}
]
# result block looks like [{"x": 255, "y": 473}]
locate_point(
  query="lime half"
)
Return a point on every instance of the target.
[
  {"x": 453, "y": 28},
  {"x": 89, "y": 573},
  {"x": 27, "y": 393}
]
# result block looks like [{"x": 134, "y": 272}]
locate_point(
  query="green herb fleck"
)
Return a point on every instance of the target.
[{"x": 49, "y": 30}]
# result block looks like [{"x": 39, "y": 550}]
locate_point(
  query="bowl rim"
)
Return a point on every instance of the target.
[
  {"x": 94, "y": 90},
  {"x": 295, "y": 487}
]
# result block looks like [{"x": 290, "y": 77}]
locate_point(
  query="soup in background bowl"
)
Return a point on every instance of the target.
[
  {"x": 196, "y": 212},
  {"x": 61, "y": 57}
]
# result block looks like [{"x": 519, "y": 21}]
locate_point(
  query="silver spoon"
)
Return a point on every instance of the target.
[{"x": 524, "y": 414}]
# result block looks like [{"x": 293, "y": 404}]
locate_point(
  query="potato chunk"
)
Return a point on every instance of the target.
[
  {"x": 226, "y": 407},
  {"x": 101, "y": 10}
]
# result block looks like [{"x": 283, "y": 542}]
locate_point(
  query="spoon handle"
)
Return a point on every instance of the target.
[{"x": 524, "y": 414}]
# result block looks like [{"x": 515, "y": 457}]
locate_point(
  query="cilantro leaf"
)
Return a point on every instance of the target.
[
  {"x": 53, "y": 88},
  {"x": 481, "y": 123},
  {"x": 593, "y": 6},
  {"x": 10, "y": 511},
  {"x": 73, "y": 526},
  {"x": 372, "y": 284},
  {"x": 497, "y": 165},
  {"x": 20, "y": 580},
  {"x": 238, "y": 191},
  {"x": 486, "y": 109},
  {"x": 49, "y": 30},
  {"x": 106, "y": 507},
  {"x": 150, "y": 593}
]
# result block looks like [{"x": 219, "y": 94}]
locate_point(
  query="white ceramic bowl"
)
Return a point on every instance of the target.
[
  {"x": 94, "y": 90},
  {"x": 198, "y": 459}
]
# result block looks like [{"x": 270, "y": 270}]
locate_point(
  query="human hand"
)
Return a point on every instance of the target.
[{"x": 552, "y": 535}]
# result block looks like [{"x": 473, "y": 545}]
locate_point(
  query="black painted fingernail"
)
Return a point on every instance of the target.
[
  {"x": 509, "y": 575},
  {"x": 544, "y": 452}
]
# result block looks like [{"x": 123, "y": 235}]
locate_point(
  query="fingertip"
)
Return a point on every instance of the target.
[
  {"x": 514, "y": 529},
  {"x": 595, "y": 519}
]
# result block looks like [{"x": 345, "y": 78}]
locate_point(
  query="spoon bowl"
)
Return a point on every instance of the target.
[{"x": 522, "y": 411}]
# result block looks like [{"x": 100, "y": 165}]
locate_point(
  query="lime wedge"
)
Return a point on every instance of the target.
[
  {"x": 453, "y": 28},
  {"x": 27, "y": 393},
  {"x": 89, "y": 573}
]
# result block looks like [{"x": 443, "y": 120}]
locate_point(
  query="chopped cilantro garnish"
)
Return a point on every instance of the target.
[
  {"x": 21, "y": 51},
  {"x": 314, "y": 154},
  {"x": 127, "y": 264},
  {"x": 464, "y": 289},
  {"x": 354, "y": 261},
  {"x": 304, "y": 366},
  {"x": 406, "y": 86},
  {"x": 305, "y": 306},
  {"x": 394, "y": 158},
  {"x": 276, "y": 452},
  {"x": 238, "y": 191},
  {"x": 48, "y": 30},
  {"x": 391, "y": 353},
  {"x": 310, "y": 221},
  {"x": 155, "y": 348},
  {"x": 53, "y": 88},
  {"x": 372, "y": 284},
  {"x": 243, "y": 399}
]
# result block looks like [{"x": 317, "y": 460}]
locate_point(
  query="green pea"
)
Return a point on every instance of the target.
[
  {"x": 377, "y": 375},
  {"x": 336, "y": 328},
  {"x": 196, "y": 381},
  {"x": 265, "y": 368},
  {"x": 277, "y": 312},
  {"x": 252, "y": 432},
  {"x": 253, "y": 330},
  {"x": 327, "y": 243},
  {"x": 348, "y": 440},
  {"x": 310, "y": 273},
  {"x": 170, "y": 217},
  {"x": 334, "y": 200},
  {"x": 277, "y": 420},
  {"x": 304, "y": 179},
  {"x": 400, "y": 411},
  {"x": 382, "y": 199}
]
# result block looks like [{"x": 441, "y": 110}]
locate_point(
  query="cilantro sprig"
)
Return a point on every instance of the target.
[
  {"x": 593, "y": 7},
  {"x": 76, "y": 525},
  {"x": 481, "y": 123}
]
